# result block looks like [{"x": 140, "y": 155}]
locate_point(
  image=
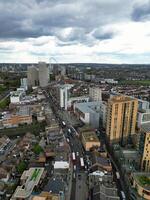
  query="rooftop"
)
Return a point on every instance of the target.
[
  {"x": 121, "y": 98},
  {"x": 32, "y": 177},
  {"x": 91, "y": 107},
  {"x": 90, "y": 136},
  {"x": 143, "y": 179}
]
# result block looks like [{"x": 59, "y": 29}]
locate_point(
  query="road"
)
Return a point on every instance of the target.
[{"x": 79, "y": 190}]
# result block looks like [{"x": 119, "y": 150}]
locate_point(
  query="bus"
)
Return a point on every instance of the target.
[
  {"x": 63, "y": 123},
  {"x": 123, "y": 195},
  {"x": 73, "y": 156},
  {"x": 69, "y": 130},
  {"x": 68, "y": 140},
  {"x": 82, "y": 162},
  {"x": 117, "y": 175}
]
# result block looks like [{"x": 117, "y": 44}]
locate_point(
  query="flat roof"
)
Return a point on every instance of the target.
[
  {"x": 61, "y": 165},
  {"x": 143, "y": 179},
  {"x": 87, "y": 107},
  {"x": 121, "y": 98},
  {"x": 90, "y": 136},
  {"x": 32, "y": 176}
]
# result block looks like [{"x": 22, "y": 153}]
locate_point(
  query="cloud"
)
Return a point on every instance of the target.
[
  {"x": 74, "y": 31},
  {"x": 141, "y": 11}
]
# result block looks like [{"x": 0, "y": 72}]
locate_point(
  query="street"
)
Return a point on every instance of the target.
[{"x": 79, "y": 189}]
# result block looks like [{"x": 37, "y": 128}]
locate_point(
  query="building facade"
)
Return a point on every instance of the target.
[
  {"x": 121, "y": 118},
  {"x": 95, "y": 94},
  {"x": 43, "y": 74},
  {"x": 90, "y": 113},
  {"x": 32, "y": 76},
  {"x": 144, "y": 150}
]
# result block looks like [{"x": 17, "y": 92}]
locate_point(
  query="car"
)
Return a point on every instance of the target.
[{"x": 77, "y": 153}]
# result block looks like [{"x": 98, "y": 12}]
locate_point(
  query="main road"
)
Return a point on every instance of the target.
[{"x": 79, "y": 190}]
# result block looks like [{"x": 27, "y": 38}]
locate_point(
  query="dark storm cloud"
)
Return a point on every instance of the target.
[
  {"x": 101, "y": 35},
  {"x": 141, "y": 12},
  {"x": 35, "y": 18}
]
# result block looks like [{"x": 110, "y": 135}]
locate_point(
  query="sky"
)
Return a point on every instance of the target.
[{"x": 75, "y": 31}]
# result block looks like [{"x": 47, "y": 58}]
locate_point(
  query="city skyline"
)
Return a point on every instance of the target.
[{"x": 97, "y": 31}]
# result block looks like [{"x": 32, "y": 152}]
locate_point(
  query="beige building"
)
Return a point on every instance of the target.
[
  {"x": 89, "y": 140},
  {"x": 140, "y": 181},
  {"x": 121, "y": 118},
  {"x": 32, "y": 76},
  {"x": 145, "y": 151}
]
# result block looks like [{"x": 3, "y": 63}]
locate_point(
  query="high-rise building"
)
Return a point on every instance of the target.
[
  {"x": 144, "y": 150},
  {"x": 32, "y": 76},
  {"x": 121, "y": 118},
  {"x": 24, "y": 83},
  {"x": 95, "y": 94},
  {"x": 43, "y": 74},
  {"x": 64, "y": 95}
]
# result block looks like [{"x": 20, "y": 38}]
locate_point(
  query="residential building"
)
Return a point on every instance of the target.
[
  {"x": 141, "y": 183},
  {"x": 121, "y": 118},
  {"x": 30, "y": 179},
  {"x": 43, "y": 74},
  {"x": 23, "y": 116},
  {"x": 46, "y": 196},
  {"x": 144, "y": 150},
  {"x": 90, "y": 140},
  {"x": 33, "y": 76},
  {"x": 103, "y": 186},
  {"x": 95, "y": 94},
  {"x": 64, "y": 95}
]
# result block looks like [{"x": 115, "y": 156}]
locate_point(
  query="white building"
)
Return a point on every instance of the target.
[
  {"x": 143, "y": 118},
  {"x": 43, "y": 74},
  {"x": 16, "y": 96},
  {"x": 90, "y": 113},
  {"x": 64, "y": 95},
  {"x": 24, "y": 83},
  {"x": 95, "y": 94},
  {"x": 143, "y": 104},
  {"x": 32, "y": 76},
  {"x": 73, "y": 100}
]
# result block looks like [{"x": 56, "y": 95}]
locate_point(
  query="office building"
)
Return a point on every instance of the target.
[
  {"x": 121, "y": 118},
  {"x": 43, "y": 74},
  {"x": 143, "y": 118},
  {"x": 90, "y": 113},
  {"x": 16, "y": 96},
  {"x": 95, "y": 94},
  {"x": 32, "y": 76},
  {"x": 143, "y": 104}
]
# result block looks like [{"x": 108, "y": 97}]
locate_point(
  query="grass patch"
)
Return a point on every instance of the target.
[
  {"x": 35, "y": 174},
  {"x": 135, "y": 82},
  {"x": 144, "y": 180},
  {"x": 37, "y": 149},
  {"x": 4, "y": 103}
]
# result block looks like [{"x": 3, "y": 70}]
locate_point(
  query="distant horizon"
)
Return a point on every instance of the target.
[{"x": 76, "y": 63}]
